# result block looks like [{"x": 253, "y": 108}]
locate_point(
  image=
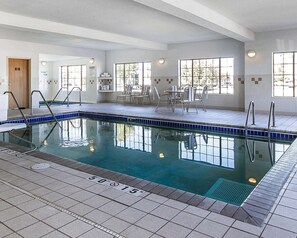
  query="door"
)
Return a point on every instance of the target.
[{"x": 18, "y": 79}]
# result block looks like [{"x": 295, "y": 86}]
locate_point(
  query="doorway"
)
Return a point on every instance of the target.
[{"x": 18, "y": 82}]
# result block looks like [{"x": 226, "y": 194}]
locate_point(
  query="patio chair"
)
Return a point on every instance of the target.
[
  {"x": 160, "y": 97},
  {"x": 201, "y": 98},
  {"x": 126, "y": 94},
  {"x": 191, "y": 143},
  {"x": 189, "y": 98},
  {"x": 145, "y": 94}
]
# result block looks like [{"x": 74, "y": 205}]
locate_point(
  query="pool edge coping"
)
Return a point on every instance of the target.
[
  {"x": 248, "y": 212},
  {"x": 251, "y": 211}
]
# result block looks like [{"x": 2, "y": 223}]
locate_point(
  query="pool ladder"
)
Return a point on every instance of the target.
[
  {"x": 251, "y": 107},
  {"x": 271, "y": 123},
  {"x": 19, "y": 108},
  {"x": 33, "y": 146},
  {"x": 48, "y": 107},
  {"x": 68, "y": 95}
]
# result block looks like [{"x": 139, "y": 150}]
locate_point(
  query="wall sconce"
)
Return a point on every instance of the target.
[
  {"x": 251, "y": 53},
  {"x": 92, "y": 61},
  {"x": 161, "y": 61},
  {"x": 43, "y": 63}
]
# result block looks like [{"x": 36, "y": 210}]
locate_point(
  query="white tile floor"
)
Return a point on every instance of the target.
[{"x": 35, "y": 206}]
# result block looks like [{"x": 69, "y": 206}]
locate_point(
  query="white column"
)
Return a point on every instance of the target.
[{"x": 3, "y": 107}]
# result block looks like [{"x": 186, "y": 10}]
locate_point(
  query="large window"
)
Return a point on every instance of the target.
[
  {"x": 73, "y": 76},
  {"x": 136, "y": 74},
  {"x": 284, "y": 74},
  {"x": 133, "y": 137},
  {"x": 216, "y": 150},
  {"x": 74, "y": 133},
  {"x": 217, "y": 73}
]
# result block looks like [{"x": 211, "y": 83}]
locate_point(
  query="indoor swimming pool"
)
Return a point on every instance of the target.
[{"x": 216, "y": 165}]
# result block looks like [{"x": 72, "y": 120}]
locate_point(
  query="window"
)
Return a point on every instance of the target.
[
  {"x": 216, "y": 73},
  {"x": 214, "y": 150},
  {"x": 136, "y": 74},
  {"x": 284, "y": 74},
  {"x": 133, "y": 137},
  {"x": 73, "y": 76},
  {"x": 74, "y": 133}
]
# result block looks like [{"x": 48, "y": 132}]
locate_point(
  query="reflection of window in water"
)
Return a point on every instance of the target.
[
  {"x": 74, "y": 133},
  {"x": 279, "y": 150},
  {"x": 214, "y": 150},
  {"x": 133, "y": 137}
]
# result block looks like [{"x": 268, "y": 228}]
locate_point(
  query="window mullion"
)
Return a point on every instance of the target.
[
  {"x": 142, "y": 74},
  {"x": 294, "y": 84},
  {"x": 220, "y": 77},
  {"x": 192, "y": 73}
]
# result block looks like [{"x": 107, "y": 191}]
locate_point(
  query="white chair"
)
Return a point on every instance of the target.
[
  {"x": 191, "y": 142},
  {"x": 126, "y": 94},
  {"x": 201, "y": 98},
  {"x": 188, "y": 98},
  {"x": 145, "y": 94},
  {"x": 160, "y": 98}
]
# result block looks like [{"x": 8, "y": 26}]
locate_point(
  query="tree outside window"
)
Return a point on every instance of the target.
[
  {"x": 135, "y": 74},
  {"x": 73, "y": 76},
  {"x": 216, "y": 73},
  {"x": 284, "y": 74}
]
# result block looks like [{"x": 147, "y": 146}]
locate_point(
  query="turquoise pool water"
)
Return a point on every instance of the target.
[{"x": 219, "y": 166}]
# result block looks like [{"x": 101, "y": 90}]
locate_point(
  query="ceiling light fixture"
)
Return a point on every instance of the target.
[
  {"x": 161, "y": 61},
  {"x": 251, "y": 53},
  {"x": 43, "y": 63}
]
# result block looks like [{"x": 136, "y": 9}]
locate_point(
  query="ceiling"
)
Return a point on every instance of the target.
[{"x": 144, "y": 24}]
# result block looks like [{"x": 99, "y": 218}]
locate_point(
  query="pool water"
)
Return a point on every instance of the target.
[{"x": 218, "y": 166}]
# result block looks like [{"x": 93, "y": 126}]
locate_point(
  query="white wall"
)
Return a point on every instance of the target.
[
  {"x": 90, "y": 95},
  {"x": 169, "y": 70},
  {"x": 28, "y": 50},
  {"x": 261, "y": 67}
]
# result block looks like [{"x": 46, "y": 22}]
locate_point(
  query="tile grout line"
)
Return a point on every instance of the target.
[{"x": 114, "y": 234}]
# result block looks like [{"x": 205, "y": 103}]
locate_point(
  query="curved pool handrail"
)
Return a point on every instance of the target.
[
  {"x": 16, "y": 102},
  {"x": 56, "y": 96},
  {"x": 67, "y": 97},
  {"x": 50, "y": 110}
]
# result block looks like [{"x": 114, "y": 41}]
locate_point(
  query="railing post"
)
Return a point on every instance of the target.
[
  {"x": 38, "y": 91},
  {"x": 253, "y": 112},
  {"x": 251, "y": 106},
  {"x": 16, "y": 102},
  {"x": 271, "y": 114}
]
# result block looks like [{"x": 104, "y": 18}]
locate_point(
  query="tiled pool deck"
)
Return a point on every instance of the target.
[{"x": 61, "y": 202}]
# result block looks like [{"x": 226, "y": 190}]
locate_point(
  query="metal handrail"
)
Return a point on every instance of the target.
[
  {"x": 271, "y": 114},
  {"x": 252, "y": 157},
  {"x": 56, "y": 96},
  {"x": 271, "y": 155},
  {"x": 67, "y": 97},
  {"x": 16, "y": 102},
  {"x": 251, "y": 105},
  {"x": 45, "y": 139},
  {"x": 38, "y": 91},
  {"x": 22, "y": 139}
]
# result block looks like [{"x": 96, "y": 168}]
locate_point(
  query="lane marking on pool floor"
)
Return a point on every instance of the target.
[{"x": 102, "y": 228}]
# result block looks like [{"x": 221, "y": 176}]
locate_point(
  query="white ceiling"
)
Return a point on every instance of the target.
[{"x": 148, "y": 24}]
